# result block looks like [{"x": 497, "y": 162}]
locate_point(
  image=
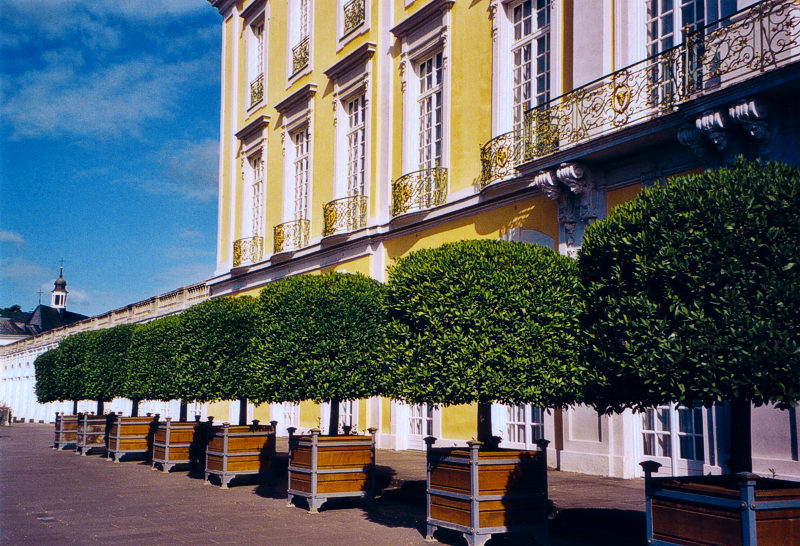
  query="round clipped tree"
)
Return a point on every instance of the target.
[
  {"x": 319, "y": 339},
  {"x": 106, "y": 365},
  {"x": 47, "y": 388},
  {"x": 155, "y": 370},
  {"x": 216, "y": 351},
  {"x": 72, "y": 365},
  {"x": 692, "y": 295},
  {"x": 482, "y": 321}
]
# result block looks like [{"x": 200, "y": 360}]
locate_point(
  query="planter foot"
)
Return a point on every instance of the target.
[
  {"x": 477, "y": 540},
  {"x": 429, "y": 533}
]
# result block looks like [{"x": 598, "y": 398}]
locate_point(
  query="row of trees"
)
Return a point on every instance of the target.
[{"x": 689, "y": 293}]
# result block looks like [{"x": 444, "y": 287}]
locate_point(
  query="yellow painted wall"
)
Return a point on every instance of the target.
[
  {"x": 262, "y": 413},
  {"x": 361, "y": 265},
  {"x": 220, "y": 411},
  {"x": 460, "y": 422},
  {"x": 363, "y": 416},
  {"x": 538, "y": 214},
  {"x": 225, "y": 199},
  {"x": 386, "y": 415},
  {"x": 309, "y": 414},
  {"x": 622, "y": 195}
]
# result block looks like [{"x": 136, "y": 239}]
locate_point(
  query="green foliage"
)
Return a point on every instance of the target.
[
  {"x": 106, "y": 366},
  {"x": 319, "y": 337},
  {"x": 47, "y": 387},
  {"x": 482, "y": 321},
  {"x": 216, "y": 350},
  {"x": 71, "y": 366},
  {"x": 11, "y": 309},
  {"x": 692, "y": 292},
  {"x": 154, "y": 361}
]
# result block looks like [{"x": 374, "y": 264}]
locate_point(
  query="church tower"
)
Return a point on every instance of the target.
[{"x": 58, "y": 298}]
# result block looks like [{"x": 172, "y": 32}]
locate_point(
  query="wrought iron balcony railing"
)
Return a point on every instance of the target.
[
  {"x": 257, "y": 89},
  {"x": 344, "y": 215},
  {"x": 300, "y": 56},
  {"x": 291, "y": 235},
  {"x": 353, "y": 16},
  {"x": 247, "y": 251},
  {"x": 762, "y": 37},
  {"x": 419, "y": 190}
]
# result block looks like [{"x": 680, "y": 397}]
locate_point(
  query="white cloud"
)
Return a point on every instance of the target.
[
  {"x": 188, "y": 169},
  {"x": 190, "y": 235},
  {"x": 7, "y": 236},
  {"x": 21, "y": 269}
]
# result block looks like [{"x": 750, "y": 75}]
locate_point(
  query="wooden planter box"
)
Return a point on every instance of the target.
[
  {"x": 323, "y": 467},
  {"x": 180, "y": 442},
  {"x": 66, "y": 429},
  {"x": 91, "y": 432},
  {"x": 237, "y": 450},
  {"x": 130, "y": 436},
  {"x": 481, "y": 492},
  {"x": 740, "y": 509}
]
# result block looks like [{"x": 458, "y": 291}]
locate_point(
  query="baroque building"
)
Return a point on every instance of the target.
[{"x": 356, "y": 131}]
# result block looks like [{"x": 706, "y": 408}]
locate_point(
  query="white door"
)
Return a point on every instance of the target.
[
  {"x": 523, "y": 426},
  {"x": 673, "y": 435},
  {"x": 420, "y": 425}
]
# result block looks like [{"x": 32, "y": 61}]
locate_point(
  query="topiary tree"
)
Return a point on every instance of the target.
[
  {"x": 482, "y": 321},
  {"x": 72, "y": 365},
  {"x": 47, "y": 388},
  {"x": 155, "y": 368},
  {"x": 692, "y": 293},
  {"x": 106, "y": 365},
  {"x": 216, "y": 351},
  {"x": 319, "y": 338}
]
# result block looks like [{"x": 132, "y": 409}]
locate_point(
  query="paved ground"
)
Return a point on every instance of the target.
[{"x": 49, "y": 497}]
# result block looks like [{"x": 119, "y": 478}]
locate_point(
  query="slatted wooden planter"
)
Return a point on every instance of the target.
[
  {"x": 740, "y": 509},
  {"x": 481, "y": 492},
  {"x": 91, "y": 432},
  {"x": 323, "y": 467},
  {"x": 66, "y": 429},
  {"x": 238, "y": 450},
  {"x": 130, "y": 436},
  {"x": 180, "y": 443}
]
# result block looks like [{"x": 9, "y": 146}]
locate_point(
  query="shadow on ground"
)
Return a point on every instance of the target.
[{"x": 595, "y": 526}]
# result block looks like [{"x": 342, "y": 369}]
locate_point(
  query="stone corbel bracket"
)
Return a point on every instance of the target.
[
  {"x": 751, "y": 115},
  {"x": 714, "y": 125}
]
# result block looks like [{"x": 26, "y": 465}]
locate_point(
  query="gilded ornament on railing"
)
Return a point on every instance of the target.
[
  {"x": 419, "y": 190},
  {"x": 353, "y": 15},
  {"x": 762, "y": 37},
  {"x": 500, "y": 156},
  {"x": 291, "y": 235},
  {"x": 247, "y": 251},
  {"x": 300, "y": 55},
  {"x": 257, "y": 89},
  {"x": 344, "y": 215}
]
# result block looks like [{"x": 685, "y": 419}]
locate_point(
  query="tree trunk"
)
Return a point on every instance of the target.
[
  {"x": 741, "y": 445},
  {"x": 135, "y": 408},
  {"x": 333, "y": 423},
  {"x": 184, "y": 414},
  {"x": 243, "y": 411},
  {"x": 74, "y": 407},
  {"x": 100, "y": 407},
  {"x": 485, "y": 423}
]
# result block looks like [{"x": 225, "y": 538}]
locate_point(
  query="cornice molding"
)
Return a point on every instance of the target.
[
  {"x": 361, "y": 54},
  {"x": 257, "y": 125},
  {"x": 293, "y": 101},
  {"x": 252, "y": 10},
  {"x": 425, "y": 13}
]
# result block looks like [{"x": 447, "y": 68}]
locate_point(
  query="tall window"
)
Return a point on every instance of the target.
[
  {"x": 300, "y": 34},
  {"x": 257, "y": 165},
  {"x": 420, "y": 422},
  {"x": 356, "y": 146},
  {"x": 348, "y": 413},
  {"x": 524, "y": 424},
  {"x": 431, "y": 72},
  {"x": 681, "y": 426},
  {"x": 301, "y": 159},
  {"x": 255, "y": 62},
  {"x": 666, "y": 20},
  {"x": 531, "y": 52}
]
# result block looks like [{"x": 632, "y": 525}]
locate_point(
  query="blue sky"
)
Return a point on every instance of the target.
[{"x": 109, "y": 131}]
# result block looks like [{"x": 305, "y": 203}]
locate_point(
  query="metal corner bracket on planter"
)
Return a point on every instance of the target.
[
  {"x": 480, "y": 492},
  {"x": 91, "y": 433},
  {"x": 66, "y": 429},
  {"x": 130, "y": 435},
  {"x": 235, "y": 450},
  {"x": 324, "y": 467},
  {"x": 741, "y": 508},
  {"x": 180, "y": 442}
]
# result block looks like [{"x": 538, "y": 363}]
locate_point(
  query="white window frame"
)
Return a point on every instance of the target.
[
  {"x": 300, "y": 172},
  {"x": 503, "y": 63},
  {"x": 300, "y": 26},
  {"x": 257, "y": 187},
  {"x": 252, "y": 141},
  {"x": 256, "y": 53},
  {"x": 297, "y": 113},
  {"x": 356, "y": 110},
  {"x": 342, "y": 38},
  {"x": 667, "y": 435},
  {"x": 430, "y": 109}
]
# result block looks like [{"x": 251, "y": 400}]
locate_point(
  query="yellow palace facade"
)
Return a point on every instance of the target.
[{"x": 356, "y": 131}]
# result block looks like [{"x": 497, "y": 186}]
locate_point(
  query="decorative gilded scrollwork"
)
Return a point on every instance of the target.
[
  {"x": 291, "y": 235},
  {"x": 419, "y": 190},
  {"x": 247, "y": 251},
  {"x": 300, "y": 56},
  {"x": 353, "y": 16},
  {"x": 500, "y": 156},
  {"x": 344, "y": 215},
  {"x": 257, "y": 89},
  {"x": 762, "y": 37}
]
